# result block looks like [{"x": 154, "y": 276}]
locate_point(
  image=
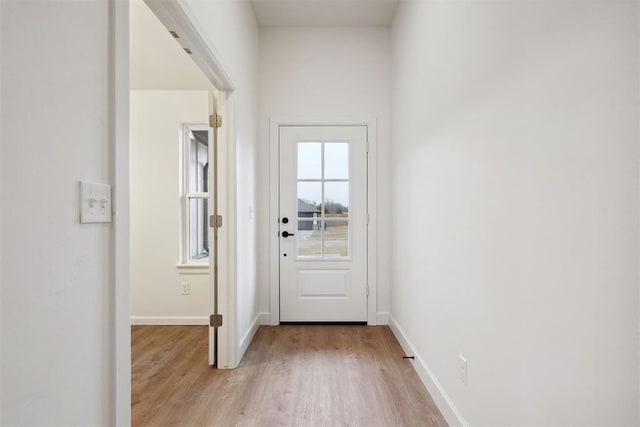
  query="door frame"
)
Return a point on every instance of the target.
[
  {"x": 274, "y": 206},
  {"x": 171, "y": 14}
]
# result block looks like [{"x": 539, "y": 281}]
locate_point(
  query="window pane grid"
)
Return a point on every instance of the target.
[
  {"x": 195, "y": 196},
  {"x": 198, "y": 231},
  {"x": 323, "y": 225}
]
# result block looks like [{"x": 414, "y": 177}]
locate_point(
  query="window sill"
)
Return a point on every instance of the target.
[{"x": 193, "y": 268}]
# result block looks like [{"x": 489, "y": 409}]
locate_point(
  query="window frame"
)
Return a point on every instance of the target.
[{"x": 186, "y": 196}]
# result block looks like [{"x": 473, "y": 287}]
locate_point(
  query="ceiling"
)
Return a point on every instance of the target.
[
  {"x": 324, "y": 13},
  {"x": 157, "y": 60}
]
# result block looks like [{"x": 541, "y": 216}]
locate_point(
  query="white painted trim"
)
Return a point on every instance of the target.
[
  {"x": 265, "y": 318},
  {"x": 383, "y": 318},
  {"x": 193, "y": 269},
  {"x": 214, "y": 137},
  {"x": 228, "y": 340},
  {"x": 437, "y": 392},
  {"x": 274, "y": 242},
  {"x": 119, "y": 59},
  {"x": 169, "y": 320},
  {"x": 248, "y": 337},
  {"x": 274, "y": 257},
  {"x": 185, "y": 195},
  {"x": 261, "y": 319},
  {"x": 372, "y": 239},
  {"x": 173, "y": 17}
]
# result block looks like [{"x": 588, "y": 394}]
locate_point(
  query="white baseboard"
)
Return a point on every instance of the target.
[
  {"x": 169, "y": 320},
  {"x": 382, "y": 318},
  {"x": 440, "y": 397},
  {"x": 265, "y": 318},
  {"x": 261, "y": 319}
]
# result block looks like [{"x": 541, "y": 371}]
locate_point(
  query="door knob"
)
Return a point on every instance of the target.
[{"x": 287, "y": 234}]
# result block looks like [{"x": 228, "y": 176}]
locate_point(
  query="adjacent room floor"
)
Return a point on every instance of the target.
[{"x": 289, "y": 376}]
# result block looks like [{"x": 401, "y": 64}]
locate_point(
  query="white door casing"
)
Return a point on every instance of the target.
[
  {"x": 323, "y": 223},
  {"x": 213, "y": 232}
]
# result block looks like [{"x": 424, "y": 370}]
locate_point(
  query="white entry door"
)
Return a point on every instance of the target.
[{"x": 323, "y": 223}]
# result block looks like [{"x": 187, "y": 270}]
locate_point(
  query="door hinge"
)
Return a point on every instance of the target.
[
  {"x": 367, "y": 289},
  {"x": 215, "y": 320},
  {"x": 367, "y": 146},
  {"x": 215, "y": 121},
  {"x": 215, "y": 221}
]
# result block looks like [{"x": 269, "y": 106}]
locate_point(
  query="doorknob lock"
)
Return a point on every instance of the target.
[{"x": 287, "y": 234}]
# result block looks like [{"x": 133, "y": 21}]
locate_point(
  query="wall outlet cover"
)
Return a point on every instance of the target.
[{"x": 185, "y": 288}]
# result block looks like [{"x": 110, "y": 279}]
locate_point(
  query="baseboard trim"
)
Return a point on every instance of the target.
[
  {"x": 170, "y": 320},
  {"x": 260, "y": 319},
  {"x": 265, "y": 318},
  {"x": 382, "y": 318},
  {"x": 440, "y": 397}
]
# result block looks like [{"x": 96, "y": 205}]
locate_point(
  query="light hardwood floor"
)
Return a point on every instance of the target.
[{"x": 290, "y": 376}]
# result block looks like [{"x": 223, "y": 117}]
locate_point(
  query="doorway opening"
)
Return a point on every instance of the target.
[
  {"x": 179, "y": 176},
  {"x": 323, "y": 199},
  {"x": 170, "y": 19}
]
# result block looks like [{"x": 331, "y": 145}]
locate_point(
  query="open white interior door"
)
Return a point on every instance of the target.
[{"x": 215, "y": 222}]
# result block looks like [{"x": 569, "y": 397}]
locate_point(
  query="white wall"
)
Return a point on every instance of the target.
[
  {"x": 1, "y": 199},
  {"x": 515, "y": 166},
  {"x": 157, "y": 60},
  {"x": 231, "y": 32},
  {"x": 326, "y": 72},
  {"x": 57, "y": 275},
  {"x": 156, "y": 292}
]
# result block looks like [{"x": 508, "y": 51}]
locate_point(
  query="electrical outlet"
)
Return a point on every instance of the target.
[
  {"x": 462, "y": 369},
  {"x": 185, "y": 288}
]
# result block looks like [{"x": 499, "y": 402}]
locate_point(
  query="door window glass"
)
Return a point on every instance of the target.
[
  {"x": 336, "y": 160},
  {"x": 309, "y": 198},
  {"x": 336, "y": 199},
  {"x": 336, "y": 238},
  {"x": 309, "y": 239},
  {"x": 309, "y": 160},
  {"x": 323, "y": 199}
]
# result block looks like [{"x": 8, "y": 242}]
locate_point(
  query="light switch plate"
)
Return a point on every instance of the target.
[
  {"x": 462, "y": 369},
  {"x": 95, "y": 203}
]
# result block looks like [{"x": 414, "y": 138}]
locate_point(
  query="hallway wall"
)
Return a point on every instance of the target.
[
  {"x": 515, "y": 129},
  {"x": 326, "y": 72},
  {"x": 1, "y": 203},
  {"x": 57, "y": 278}
]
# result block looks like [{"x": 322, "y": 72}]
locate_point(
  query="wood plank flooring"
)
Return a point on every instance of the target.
[{"x": 290, "y": 376}]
